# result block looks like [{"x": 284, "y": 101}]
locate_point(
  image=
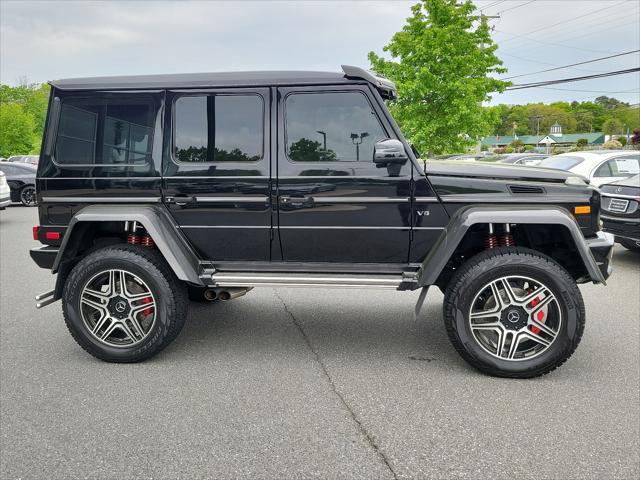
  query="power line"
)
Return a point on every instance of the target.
[
  {"x": 549, "y": 43},
  {"x": 590, "y": 33},
  {"x": 550, "y": 64},
  {"x": 592, "y": 23},
  {"x": 572, "y": 79},
  {"x": 633, "y": 90},
  {"x": 492, "y": 4},
  {"x": 517, "y": 6},
  {"x": 571, "y": 65},
  {"x": 564, "y": 22}
]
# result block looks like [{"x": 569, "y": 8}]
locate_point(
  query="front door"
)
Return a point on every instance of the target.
[
  {"x": 217, "y": 171},
  {"x": 334, "y": 205}
]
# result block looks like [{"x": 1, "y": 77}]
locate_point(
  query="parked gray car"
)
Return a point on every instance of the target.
[{"x": 21, "y": 178}]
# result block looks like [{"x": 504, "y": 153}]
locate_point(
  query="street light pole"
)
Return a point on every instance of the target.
[{"x": 324, "y": 139}]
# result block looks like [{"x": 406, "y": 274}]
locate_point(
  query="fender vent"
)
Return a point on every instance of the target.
[{"x": 525, "y": 190}]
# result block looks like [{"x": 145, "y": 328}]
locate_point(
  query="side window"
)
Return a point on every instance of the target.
[
  {"x": 107, "y": 131},
  {"x": 218, "y": 128},
  {"x": 627, "y": 166},
  {"x": 604, "y": 170},
  {"x": 336, "y": 126}
]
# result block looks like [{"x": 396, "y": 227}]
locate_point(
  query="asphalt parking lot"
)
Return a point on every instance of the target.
[{"x": 297, "y": 383}]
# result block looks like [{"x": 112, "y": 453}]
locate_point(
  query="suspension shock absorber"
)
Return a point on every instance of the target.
[
  {"x": 133, "y": 239},
  {"x": 147, "y": 241},
  {"x": 491, "y": 241},
  {"x": 506, "y": 240}
]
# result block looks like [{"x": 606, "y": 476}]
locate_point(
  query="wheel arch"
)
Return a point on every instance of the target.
[
  {"x": 177, "y": 252},
  {"x": 468, "y": 221}
]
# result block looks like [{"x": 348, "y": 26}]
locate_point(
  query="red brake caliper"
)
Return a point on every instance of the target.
[
  {"x": 147, "y": 311},
  {"x": 539, "y": 315}
]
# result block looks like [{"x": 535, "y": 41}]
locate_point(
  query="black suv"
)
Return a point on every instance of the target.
[{"x": 152, "y": 188}]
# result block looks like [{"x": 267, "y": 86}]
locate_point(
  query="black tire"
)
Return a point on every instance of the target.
[
  {"x": 28, "y": 196},
  {"x": 491, "y": 265},
  {"x": 148, "y": 265},
  {"x": 629, "y": 244}
]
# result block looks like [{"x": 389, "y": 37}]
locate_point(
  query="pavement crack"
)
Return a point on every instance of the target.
[{"x": 367, "y": 436}]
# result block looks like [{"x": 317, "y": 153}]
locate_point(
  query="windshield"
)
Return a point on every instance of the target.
[{"x": 560, "y": 163}]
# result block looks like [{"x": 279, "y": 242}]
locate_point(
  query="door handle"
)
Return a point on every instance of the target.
[
  {"x": 296, "y": 201},
  {"x": 181, "y": 199}
]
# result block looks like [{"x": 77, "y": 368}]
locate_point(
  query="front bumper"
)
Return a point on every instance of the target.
[
  {"x": 601, "y": 248},
  {"x": 44, "y": 256},
  {"x": 5, "y": 201},
  {"x": 622, "y": 227}
]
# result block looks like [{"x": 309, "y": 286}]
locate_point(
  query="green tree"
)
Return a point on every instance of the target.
[
  {"x": 442, "y": 62},
  {"x": 517, "y": 145},
  {"x": 16, "y": 130},
  {"x": 305, "y": 150},
  {"x": 582, "y": 143},
  {"x": 612, "y": 126}
]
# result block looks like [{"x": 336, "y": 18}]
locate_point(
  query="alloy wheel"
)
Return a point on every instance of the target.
[
  {"x": 28, "y": 197},
  {"x": 118, "y": 308},
  {"x": 515, "y": 318}
]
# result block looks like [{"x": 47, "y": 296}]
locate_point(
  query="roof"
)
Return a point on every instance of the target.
[{"x": 225, "y": 79}]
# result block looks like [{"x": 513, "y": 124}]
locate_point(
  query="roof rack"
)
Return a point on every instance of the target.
[{"x": 386, "y": 87}]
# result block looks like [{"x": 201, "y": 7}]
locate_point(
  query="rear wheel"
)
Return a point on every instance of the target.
[
  {"x": 513, "y": 312},
  {"x": 28, "y": 196},
  {"x": 123, "y": 304}
]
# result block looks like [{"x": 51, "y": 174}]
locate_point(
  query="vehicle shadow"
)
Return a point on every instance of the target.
[{"x": 356, "y": 328}]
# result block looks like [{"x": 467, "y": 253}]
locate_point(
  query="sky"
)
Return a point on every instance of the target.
[{"x": 46, "y": 40}]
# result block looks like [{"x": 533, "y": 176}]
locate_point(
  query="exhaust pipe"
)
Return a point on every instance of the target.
[
  {"x": 231, "y": 293},
  {"x": 210, "y": 295}
]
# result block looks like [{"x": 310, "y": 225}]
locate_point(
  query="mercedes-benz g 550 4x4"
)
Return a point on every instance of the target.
[{"x": 151, "y": 188}]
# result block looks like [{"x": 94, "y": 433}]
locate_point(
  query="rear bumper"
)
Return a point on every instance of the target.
[
  {"x": 601, "y": 248},
  {"x": 5, "y": 201},
  {"x": 44, "y": 256},
  {"x": 622, "y": 227}
]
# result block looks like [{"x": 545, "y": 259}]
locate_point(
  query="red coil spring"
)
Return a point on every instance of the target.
[
  {"x": 507, "y": 240},
  {"x": 491, "y": 242},
  {"x": 148, "y": 242},
  {"x": 133, "y": 239}
]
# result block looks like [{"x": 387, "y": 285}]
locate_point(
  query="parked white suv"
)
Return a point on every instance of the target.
[
  {"x": 599, "y": 166},
  {"x": 5, "y": 192}
]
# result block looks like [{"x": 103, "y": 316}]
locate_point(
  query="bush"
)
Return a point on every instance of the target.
[
  {"x": 556, "y": 151},
  {"x": 582, "y": 143},
  {"x": 484, "y": 148},
  {"x": 516, "y": 145},
  {"x": 528, "y": 148},
  {"x": 612, "y": 145},
  {"x": 622, "y": 140},
  {"x": 499, "y": 150}
]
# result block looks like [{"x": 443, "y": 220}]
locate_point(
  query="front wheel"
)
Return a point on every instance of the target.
[
  {"x": 633, "y": 245},
  {"x": 123, "y": 304},
  {"x": 513, "y": 312},
  {"x": 28, "y": 196}
]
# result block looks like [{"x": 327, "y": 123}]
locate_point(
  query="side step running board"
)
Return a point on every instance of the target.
[{"x": 245, "y": 279}]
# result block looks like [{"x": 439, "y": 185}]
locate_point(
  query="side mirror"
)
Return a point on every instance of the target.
[{"x": 389, "y": 152}]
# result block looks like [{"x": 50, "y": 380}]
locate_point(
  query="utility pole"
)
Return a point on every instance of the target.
[
  {"x": 537, "y": 118},
  {"x": 483, "y": 22}
]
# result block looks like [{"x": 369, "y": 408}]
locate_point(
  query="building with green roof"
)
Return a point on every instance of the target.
[{"x": 554, "y": 138}]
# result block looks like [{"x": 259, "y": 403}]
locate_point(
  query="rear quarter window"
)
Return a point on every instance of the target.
[
  {"x": 561, "y": 163},
  {"x": 114, "y": 130}
]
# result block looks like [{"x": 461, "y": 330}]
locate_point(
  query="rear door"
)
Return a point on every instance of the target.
[
  {"x": 334, "y": 205},
  {"x": 217, "y": 171}
]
